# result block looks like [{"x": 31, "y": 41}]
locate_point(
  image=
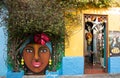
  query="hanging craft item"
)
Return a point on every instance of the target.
[{"x": 89, "y": 38}]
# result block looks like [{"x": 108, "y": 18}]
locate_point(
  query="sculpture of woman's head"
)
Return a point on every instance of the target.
[{"x": 36, "y": 52}]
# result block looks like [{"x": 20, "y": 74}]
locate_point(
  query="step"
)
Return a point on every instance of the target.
[
  {"x": 76, "y": 76},
  {"x": 34, "y": 76}
]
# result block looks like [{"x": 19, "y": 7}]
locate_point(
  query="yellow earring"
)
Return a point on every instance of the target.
[
  {"x": 50, "y": 61},
  {"x": 22, "y": 61}
]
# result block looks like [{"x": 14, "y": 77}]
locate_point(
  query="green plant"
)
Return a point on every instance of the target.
[
  {"x": 14, "y": 45},
  {"x": 29, "y": 18}
]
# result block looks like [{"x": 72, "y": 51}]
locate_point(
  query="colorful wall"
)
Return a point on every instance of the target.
[
  {"x": 73, "y": 61},
  {"x": 76, "y": 40}
]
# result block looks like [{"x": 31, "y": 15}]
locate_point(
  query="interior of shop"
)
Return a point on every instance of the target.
[{"x": 95, "y": 43}]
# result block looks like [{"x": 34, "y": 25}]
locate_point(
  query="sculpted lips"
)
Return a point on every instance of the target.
[{"x": 36, "y": 64}]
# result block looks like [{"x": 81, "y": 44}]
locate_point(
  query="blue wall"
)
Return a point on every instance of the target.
[
  {"x": 114, "y": 65},
  {"x": 3, "y": 54},
  {"x": 73, "y": 65},
  {"x": 70, "y": 66}
]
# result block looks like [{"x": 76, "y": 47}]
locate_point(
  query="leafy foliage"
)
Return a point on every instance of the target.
[
  {"x": 28, "y": 16},
  {"x": 35, "y": 16},
  {"x": 57, "y": 54}
]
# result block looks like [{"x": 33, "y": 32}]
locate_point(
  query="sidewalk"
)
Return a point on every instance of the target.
[
  {"x": 79, "y": 76},
  {"x": 94, "y": 76}
]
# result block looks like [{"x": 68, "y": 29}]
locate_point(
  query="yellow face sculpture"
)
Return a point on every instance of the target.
[{"x": 36, "y": 57}]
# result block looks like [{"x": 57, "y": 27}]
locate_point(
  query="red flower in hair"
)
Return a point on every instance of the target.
[{"x": 41, "y": 38}]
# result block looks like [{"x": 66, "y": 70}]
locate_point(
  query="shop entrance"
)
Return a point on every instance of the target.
[{"x": 95, "y": 44}]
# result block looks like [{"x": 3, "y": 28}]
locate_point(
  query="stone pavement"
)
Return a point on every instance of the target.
[
  {"x": 94, "y": 76},
  {"x": 82, "y": 76},
  {"x": 79, "y": 76}
]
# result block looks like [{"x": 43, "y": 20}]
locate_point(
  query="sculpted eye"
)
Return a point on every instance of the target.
[
  {"x": 29, "y": 50},
  {"x": 43, "y": 50}
]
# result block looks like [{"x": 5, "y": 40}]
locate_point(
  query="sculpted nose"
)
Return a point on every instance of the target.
[
  {"x": 36, "y": 56},
  {"x": 36, "y": 60},
  {"x": 36, "y": 53}
]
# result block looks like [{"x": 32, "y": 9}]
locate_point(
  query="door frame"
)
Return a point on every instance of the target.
[{"x": 106, "y": 69}]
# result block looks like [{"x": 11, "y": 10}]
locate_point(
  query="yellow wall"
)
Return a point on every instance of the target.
[
  {"x": 75, "y": 44},
  {"x": 76, "y": 39}
]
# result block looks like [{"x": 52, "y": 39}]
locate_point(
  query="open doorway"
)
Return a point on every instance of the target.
[{"x": 95, "y": 43}]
